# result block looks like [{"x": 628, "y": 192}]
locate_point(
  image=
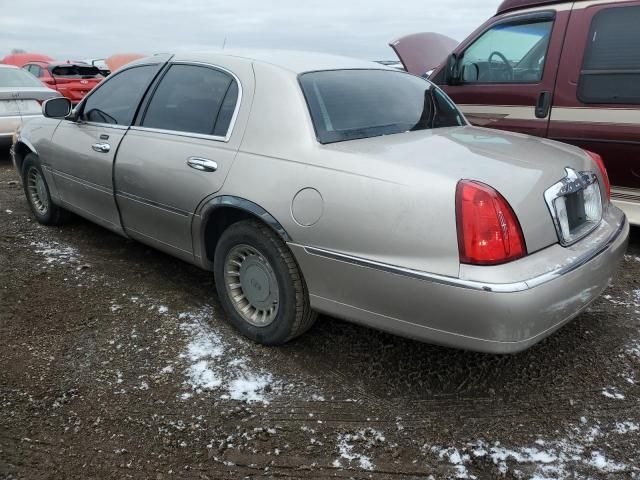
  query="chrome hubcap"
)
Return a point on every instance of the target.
[
  {"x": 251, "y": 285},
  {"x": 37, "y": 191}
]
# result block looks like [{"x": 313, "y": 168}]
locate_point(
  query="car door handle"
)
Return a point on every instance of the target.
[
  {"x": 543, "y": 105},
  {"x": 202, "y": 164},
  {"x": 101, "y": 147}
]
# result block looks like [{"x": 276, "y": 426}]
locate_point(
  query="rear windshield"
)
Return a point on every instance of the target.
[
  {"x": 353, "y": 104},
  {"x": 75, "y": 71},
  {"x": 14, "y": 77}
]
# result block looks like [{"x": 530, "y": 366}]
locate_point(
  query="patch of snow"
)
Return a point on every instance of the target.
[
  {"x": 55, "y": 253},
  {"x": 9, "y": 211},
  {"x": 550, "y": 458},
  {"x": 166, "y": 370},
  {"x": 625, "y": 427},
  {"x": 208, "y": 369},
  {"x": 599, "y": 461},
  {"x": 612, "y": 392},
  {"x": 163, "y": 310},
  {"x": 365, "y": 439}
]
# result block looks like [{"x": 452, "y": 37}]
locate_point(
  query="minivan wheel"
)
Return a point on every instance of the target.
[
  {"x": 37, "y": 192},
  {"x": 260, "y": 284}
]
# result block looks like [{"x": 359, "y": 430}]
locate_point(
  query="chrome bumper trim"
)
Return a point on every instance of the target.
[{"x": 472, "y": 284}]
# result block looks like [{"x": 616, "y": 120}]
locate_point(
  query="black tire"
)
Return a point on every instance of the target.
[
  {"x": 294, "y": 315},
  {"x": 40, "y": 201}
]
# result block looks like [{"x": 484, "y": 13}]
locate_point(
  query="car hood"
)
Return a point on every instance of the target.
[
  {"x": 518, "y": 166},
  {"x": 422, "y": 52}
]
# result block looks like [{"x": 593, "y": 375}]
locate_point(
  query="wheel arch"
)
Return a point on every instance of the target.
[
  {"x": 221, "y": 212},
  {"x": 21, "y": 149}
]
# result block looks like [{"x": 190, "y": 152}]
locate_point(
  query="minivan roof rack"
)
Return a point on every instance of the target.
[{"x": 508, "y": 5}]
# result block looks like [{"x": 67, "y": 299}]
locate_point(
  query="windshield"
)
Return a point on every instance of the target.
[
  {"x": 75, "y": 71},
  {"x": 353, "y": 104},
  {"x": 14, "y": 77}
]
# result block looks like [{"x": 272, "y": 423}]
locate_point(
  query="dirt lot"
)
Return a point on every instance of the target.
[{"x": 116, "y": 362}]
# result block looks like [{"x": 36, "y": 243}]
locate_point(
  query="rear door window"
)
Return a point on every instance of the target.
[
  {"x": 611, "y": 67},
  {"x": 193, "y": 99},
  {"x": 508, "y": 53},
  {"x": 116, "y": 100}
]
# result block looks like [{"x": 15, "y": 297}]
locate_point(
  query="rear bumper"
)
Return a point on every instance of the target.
[
  {"x": 8, "y": 126},
  {"x": 492, "y": 309}
]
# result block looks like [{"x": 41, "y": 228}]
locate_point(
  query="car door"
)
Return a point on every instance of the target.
[
  {"x": 84, "y": 147},
  {"x": 178, "y": 153},
  {"x": 598, "y": 102},
  {"x": 508, "y": 71}
]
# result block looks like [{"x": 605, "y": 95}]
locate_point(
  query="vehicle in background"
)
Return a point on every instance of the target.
[
  {"x": 118, "y": 60},
  {"x": 21, "y": 95},
  {"x": 569, "y": 71},
  {"x": 308, "y": 182},
  {"x": 101, "y": 65},
  {"x": 73, "y": 80},
  {"x": 423, "y": 52},
  {"x": 21, "y": 59}
]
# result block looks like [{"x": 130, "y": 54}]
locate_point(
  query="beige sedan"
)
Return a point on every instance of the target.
[{"x": 311, "y": 183}]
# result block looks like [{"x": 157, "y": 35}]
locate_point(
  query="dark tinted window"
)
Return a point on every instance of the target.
[
  {"x": 116, "y": 100},
  {"x": 352, "y": 104},
  {"x": 193, "y": 99},
  {"x": 75, "y": 71},
  {"x": 611, "y": 67},
  {"x": 16, "y": 77}
]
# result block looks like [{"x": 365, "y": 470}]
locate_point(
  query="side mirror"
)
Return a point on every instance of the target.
[
  {"x": 470, "y": 73},
  {"x": 58, "y": 107},
  {"x": 453, "y": 76}
]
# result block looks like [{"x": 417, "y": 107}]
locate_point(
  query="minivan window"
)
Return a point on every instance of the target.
[
  {"x": 354, "y": 104},
  {"x": 15, "y": 77},
  {"x": 193, "y": 99},
  {"x": 611, "y": 67},
  {"x": 115, "y": 101},
  {"x": 508, "y": 53}
]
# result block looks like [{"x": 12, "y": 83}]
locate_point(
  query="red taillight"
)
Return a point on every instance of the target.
[
  {"x": 605, "y": 176},
  {"x": 488, "y": 230}
]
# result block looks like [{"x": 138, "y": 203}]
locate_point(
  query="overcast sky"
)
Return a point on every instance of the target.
[{"x": 66, "y": 29}]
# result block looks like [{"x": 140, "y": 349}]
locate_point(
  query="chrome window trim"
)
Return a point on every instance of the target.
[
  {"x": 179, "y": 133},
  {"x": 572, "y": 182},
  {"x": 203, "y": 136},
  {"x": 512, "y": 287}
]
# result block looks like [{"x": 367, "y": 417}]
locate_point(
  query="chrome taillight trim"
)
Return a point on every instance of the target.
[{"x": 573, "y": 182}]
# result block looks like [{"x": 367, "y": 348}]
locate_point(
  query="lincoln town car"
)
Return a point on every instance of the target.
[{"x": 309, "y": 183}]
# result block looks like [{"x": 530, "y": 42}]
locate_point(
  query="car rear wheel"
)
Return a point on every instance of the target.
[
  {"x": 37, "y": 192},
  {"x": 260, "y": 284}
]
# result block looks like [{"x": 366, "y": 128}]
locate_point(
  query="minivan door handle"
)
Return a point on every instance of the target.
[
  {"x": 202, "y": 164},
  {"x": 543, "y": 105},
  {"x": 101, "y": 147}
]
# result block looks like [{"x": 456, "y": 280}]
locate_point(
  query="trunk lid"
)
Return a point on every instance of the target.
[
  {"x": 519, "y": 167},
  {"x": 422, "y": 52}
]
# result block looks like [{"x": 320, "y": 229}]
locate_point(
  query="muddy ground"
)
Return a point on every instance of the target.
[{"x": 116, "y": 362}]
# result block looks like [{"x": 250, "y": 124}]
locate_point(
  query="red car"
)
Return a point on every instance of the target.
[
  {"x": 569, "y": 71},
  {"x": 73, "y": 80}
]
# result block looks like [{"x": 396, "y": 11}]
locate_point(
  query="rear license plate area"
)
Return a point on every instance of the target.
[{"x": 576, "y": 214}]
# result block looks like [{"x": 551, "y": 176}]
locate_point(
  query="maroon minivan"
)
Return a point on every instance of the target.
[{"x": 569, "y": 71}]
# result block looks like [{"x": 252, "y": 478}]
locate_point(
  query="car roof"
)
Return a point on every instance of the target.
[
  {"x": 510, "y": 5},
  {"x": 292, "y": 60}
]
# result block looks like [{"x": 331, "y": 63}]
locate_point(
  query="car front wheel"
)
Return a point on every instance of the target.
[
  {"x": 260, "y": 284},
  {"x": 37, "y": 192}
]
